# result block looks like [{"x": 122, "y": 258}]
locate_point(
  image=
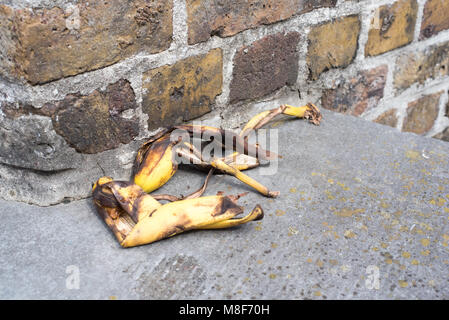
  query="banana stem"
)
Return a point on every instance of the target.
[{"x": 221, "y": 165}]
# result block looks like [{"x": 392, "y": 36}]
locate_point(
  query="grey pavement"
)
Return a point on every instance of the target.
[{"x": 363, "y": 214}]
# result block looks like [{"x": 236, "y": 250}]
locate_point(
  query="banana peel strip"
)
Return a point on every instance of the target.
[
  {"x": 136, "y": 218},
  {"x": 309, "y": 112},
  {"x": 155, "y": 165}
]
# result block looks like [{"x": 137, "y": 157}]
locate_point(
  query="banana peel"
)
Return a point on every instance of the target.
[
  {"x": 136, "y": 218},
  {"x": 221, "y": 136},
  {"x": 155, "y": 162},
  {"x": 309, "y": 112}
]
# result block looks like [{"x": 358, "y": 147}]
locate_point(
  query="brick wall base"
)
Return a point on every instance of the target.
[{"x": 82, "y": 83}]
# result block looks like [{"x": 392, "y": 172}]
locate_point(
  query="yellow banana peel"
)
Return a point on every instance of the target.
[
  {"x": 155, "y": 164},
  {"x": 309, "y": 112},
  {"x": 136, "y": 218}
]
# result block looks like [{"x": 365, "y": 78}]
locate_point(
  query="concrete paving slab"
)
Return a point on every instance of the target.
[{"x": 363, "y": 214}]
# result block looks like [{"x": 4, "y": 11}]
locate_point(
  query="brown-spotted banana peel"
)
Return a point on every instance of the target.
[
  {"x": 155, "y": 161},
  {"x": 154, "y": 164},
  {"x": 136, "y": 218}
]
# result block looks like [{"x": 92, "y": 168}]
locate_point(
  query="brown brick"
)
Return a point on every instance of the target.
[
  {"x": 184, "y": 90},
  {"x": 357, "y": 95},
  {"x": 396, "y": 27},
  {"x": 422, "y": 113},
  {"x": 90, "y": 123},
  {"x": 435, "y": 18},
  {"x": 418, "y": 67},
  {"x": 42, "y": 45},
  {"x": 388, "y": 118},
  {"x": 332, "y": 45},
  {"x": 206, "y": 18},
  {"x": 265, "y": 66},
  {"x": 94, "y": 123}
]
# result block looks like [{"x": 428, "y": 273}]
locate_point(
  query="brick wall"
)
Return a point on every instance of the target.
[{"x": 83, "y": 82}]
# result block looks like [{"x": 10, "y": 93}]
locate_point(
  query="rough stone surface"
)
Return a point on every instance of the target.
[
  {"x": 332, "y": 45},
  {"x": 351, "y": 208},
  {"x": 396, "y": 27},
  {"x": 357, "y": 95},
  {"x": 264, "y": 66},
  {"x": 37, "y": 3},
  {"x": 30, "y": 142},
  {"x": 422, "y": 113},
  {"x": 182, "y": 91},
  {"x": 66, "y": 176},
  {"x": 42, "y": 45},
  {"x": 443, "y": 135},
  {"x": 388, "y": 118},
  {"x": 435, "y": 18},
  {"x": 226, "y": 18},
  {"x": 420, "y": 66},
  {"x": 90, "y": 124},
  {"x": 40, "y": 149}
]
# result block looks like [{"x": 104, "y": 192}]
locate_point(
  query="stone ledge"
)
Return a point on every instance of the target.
[{"x": 355, "y": 194}]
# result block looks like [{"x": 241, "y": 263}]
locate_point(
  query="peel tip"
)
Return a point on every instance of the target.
[
  {"x": 314, "y": 114},
  {"x": 274, "y": 194},
  {"x": 260, "y": 213},
  {"x": 101, "y": 181}
]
